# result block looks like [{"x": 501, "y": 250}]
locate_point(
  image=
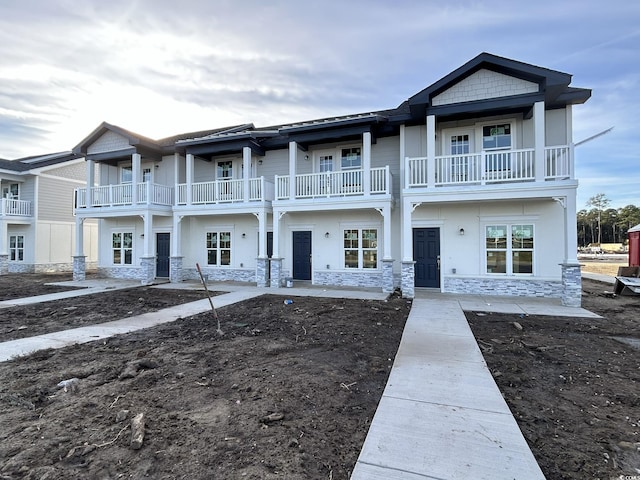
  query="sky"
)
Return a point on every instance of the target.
[{"x": 161, "y": 67}]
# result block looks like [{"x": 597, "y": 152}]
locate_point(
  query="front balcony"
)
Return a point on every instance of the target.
[
  {"x": 489, "y": 167},
  {"x": 345, "y": 183},
  {"x": 122, "y": 196},
  {"x": 10, "y": 207},
  {"x": 224, "y": 191}
]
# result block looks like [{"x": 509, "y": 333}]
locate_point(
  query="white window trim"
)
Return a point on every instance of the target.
[
  {"x": 339, "y": 149},
  {"x": 479, "y": 137},
  {"x": 24, "y": 242},
  {"x": 508, "y": 223},
  {"x": 233, "y": 246},
  {"x": 361, "y": 226},
  {"x": 122, "y": 248},
  {"x": 236, "y": 166}
]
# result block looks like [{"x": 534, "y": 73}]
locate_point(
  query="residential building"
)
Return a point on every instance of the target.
[
  {"x": 467, "y": 187},
  {"x": 37, "y": 224}
]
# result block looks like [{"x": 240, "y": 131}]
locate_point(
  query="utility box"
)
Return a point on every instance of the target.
[{"x": 634, "y": 246}]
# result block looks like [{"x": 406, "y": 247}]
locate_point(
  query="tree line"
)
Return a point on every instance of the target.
[{"x": 599, "y": 224}]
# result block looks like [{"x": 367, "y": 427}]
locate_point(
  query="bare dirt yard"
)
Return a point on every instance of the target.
[
  {"x": 288, "y": 391},
  {"x": 573, "y": 384}
]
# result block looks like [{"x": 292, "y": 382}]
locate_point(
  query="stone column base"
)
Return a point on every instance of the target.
[
  {"x": 387, "y": 276},
  {"x": 571, "y": 284},
  {"x": 408, "y": 285},
  {"x": 148, "y": 265},
  {"x": 276, "y": 272},
  {"x": 175, "y": 269},
  {"x": 4, "y": 264},
  {"x": 262, "y": 264},
  {"x": 79, "y": 268}
]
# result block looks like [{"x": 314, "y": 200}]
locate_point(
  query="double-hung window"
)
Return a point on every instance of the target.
[
  {"x": 16, "y": 248},
  {"x": 122, "y": 248},
  {"x": 509, "y": 248},
  {"x": 219, "y": 248},
  {"x": 494, "y": 139},
  {"x": 361, "y": 248}
]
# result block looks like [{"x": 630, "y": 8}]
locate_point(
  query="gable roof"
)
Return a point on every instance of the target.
[
  {"x": 553, "y": 88},
  {"x": 38, "y": 161}
]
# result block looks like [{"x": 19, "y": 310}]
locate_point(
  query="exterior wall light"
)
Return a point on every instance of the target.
[
  {"x": 461, "y": 231},
  {"x": 244, "y": 235},
  {"x": 327, "y": 235}
]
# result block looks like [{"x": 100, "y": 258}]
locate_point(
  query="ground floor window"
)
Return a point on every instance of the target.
[
  {"x": 122, "y": 247},
  {"x": 218, "y": 248},
  {"x": 361, "y": 248},
  {"x": 509, "y": 248},
  {"x": 16, "y": 248}
]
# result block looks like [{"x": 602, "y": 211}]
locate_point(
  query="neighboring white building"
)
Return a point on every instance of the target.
[
  {"x": 37, "y": 223},
  {"x": 466, "y": 187}
]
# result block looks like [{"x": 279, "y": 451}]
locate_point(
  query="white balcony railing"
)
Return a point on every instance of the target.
[
  {"x": 334, "y": 184},
  {"x": 14, "y": 207},
  {"x": 486, "y": 167},
  {"x": 224, "y": 191},
  {"x": 122, "y": 195}
]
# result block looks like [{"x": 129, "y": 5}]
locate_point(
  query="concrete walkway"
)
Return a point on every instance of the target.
[{"x": 441, "y": 415}]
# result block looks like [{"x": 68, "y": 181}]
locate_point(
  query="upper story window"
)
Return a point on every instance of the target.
[
  {"x": 496, "y": 136},
  {"x": 351, "y": 158},
  {"x": 126, "y": 174},
  {"x": 146, "y": 175},
  {"x": 225, "y": 170},
  {"x": 459, "y": 144},
  {"x": 326, "y": 163},
  {"x": 11, "y": 191}
]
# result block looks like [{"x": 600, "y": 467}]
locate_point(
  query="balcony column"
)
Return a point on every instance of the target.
[
  {"x": 569, "y": 128},
  {"x": 431, "y": 151},
  {"x": 246, "y": 171},
  {"x": 407, "y": 282},
  {"x": 175, "y": 267},
  {"x": 189, "y": 179},
  {"x": 293, "y": 157},
  {"x": 148, "y": 259},
  {"x": 276, "y": 260},
  {"x": 262, "y": 263},
  {"x": 136, "y": 160},
  {"x": 79, "y": 259},
  {"x": 91, "y": 179},
  {"x": 539, "y": 141},
  {"x": 366, "y": 162},
  {"x": 570, "y": 267},
  {"x": 4, "y": 252}
]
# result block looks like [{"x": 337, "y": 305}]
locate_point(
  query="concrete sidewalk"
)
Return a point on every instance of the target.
[{"x": 441, "y": 415}]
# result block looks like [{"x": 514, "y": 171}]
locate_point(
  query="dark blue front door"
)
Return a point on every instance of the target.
[
  {"x": 163, "y": 249},
  {"x": 302, "y": 255},
  {"x": 426, "y": 254}
]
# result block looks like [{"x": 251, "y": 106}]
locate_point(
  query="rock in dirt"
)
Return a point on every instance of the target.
[
  {"x": 517, "y": 325},
  {"x": 122, "y": 415},
  {"x": 273, "y": 417},
  {"x": 132, "y": 368},
  {"x": 71, "y": 384},
  {"x": 137, "y": 431}
]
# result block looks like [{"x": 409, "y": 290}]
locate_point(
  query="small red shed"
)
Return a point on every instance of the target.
[{"x": 634, "y": 246}]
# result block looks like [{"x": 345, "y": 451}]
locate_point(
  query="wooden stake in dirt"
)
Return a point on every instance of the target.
[{"x": 204, "y": 284}]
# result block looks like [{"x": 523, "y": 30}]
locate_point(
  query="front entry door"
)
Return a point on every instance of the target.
[
  {"x": 426, "y": 254},
  {"x": 302, "y": 255},
  {"x": 163, "y": 248}
]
